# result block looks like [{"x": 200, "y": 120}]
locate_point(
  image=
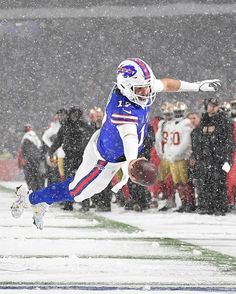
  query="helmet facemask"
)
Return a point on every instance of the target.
[
  {"x": 179, "y": 113},
  {"x": 142, "y": 100},
  {"x": 167, "y": 111},
  {"x": 180, "y": 109}
]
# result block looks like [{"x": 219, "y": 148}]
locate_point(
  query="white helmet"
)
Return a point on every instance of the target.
[
  {"x": 168, "y": 110},
  {"x": 180, "y": 109},
  {"x": 225, "y": 106},
  {"x": 135, "y": 73}
]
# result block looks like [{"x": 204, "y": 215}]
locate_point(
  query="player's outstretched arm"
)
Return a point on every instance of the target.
[{"x": 172, "y": 85}]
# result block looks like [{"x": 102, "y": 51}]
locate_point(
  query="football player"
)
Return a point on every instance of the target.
[
  {"x": 118, "y": 142},
  {"x": 55, "y": 166},
  {"x": 178, "y": 153},
  {"x": 163, "y": 136}
]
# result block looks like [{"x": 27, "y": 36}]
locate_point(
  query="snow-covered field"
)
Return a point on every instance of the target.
[{"x": 116, "y": 252}]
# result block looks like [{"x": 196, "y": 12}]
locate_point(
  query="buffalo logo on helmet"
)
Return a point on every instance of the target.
[{"x": 127, "y": 71}]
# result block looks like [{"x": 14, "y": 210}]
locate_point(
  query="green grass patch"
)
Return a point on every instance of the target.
[
  {"x": 114, "y": 225},
  {"x": 193, "y": 252},
  {"x": 223, "y": 261}
]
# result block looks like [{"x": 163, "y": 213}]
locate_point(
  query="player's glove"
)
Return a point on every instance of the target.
[{"x": 209, "y": 85}]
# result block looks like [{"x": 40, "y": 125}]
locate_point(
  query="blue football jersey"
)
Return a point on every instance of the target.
[{"x": 121, "y": 111}]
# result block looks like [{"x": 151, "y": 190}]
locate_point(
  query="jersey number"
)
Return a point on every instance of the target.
[
  {"x": 175, "y": 139},
  {"x": 122, "y": 103}
]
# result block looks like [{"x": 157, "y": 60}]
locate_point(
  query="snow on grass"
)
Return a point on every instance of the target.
[{"x": 98, "y": 251}]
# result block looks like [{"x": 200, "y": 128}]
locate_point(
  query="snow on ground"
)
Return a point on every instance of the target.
[
  {"x": 209, "y": 231},
  {"x": 86, "y": 254},
  {"x": 118, "y": 291}
]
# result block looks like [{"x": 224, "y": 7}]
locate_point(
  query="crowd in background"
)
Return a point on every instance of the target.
[
  {"x": 197, "y": 157},
  {"x": 195, "y": 154},
  {"x": 57, "y": 155}
]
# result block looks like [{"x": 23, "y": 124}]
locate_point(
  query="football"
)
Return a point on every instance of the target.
[{"x": 144, "y": 172}]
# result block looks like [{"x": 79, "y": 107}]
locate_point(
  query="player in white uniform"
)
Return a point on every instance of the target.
[
  {"x": 178, "y": 153},
  {"x": 58, "y": 159},
  {"x": 162, "y": 142},
  {"x": 164, "y": 126},
  {"x": 117, "y": 144}
]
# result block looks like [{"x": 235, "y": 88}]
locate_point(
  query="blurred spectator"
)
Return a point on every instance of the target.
[
  {"x": 162, "y": 141},
  {"x": 194, "y": 118},
  {"x": 30, "y": 158},
  {"x": 73, "y": 135},
  {"x": 178, "y": 154},
  {"x": 95, "y": 117},
  {"x": 140, "y": 196},
  {"x": 225, "y": 106},
  {"x": 101, "y": 201},
  {"x": 55, "y": 170},
  {"x": 155, "y": 159},
  {"x": 231, "y": 176},
  {"x": 212, "y": 151}
]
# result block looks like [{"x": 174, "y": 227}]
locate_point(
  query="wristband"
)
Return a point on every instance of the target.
[{"x": 188, "y": 87}]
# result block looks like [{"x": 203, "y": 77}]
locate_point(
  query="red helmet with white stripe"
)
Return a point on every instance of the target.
[{"x": 134, "y": 76}]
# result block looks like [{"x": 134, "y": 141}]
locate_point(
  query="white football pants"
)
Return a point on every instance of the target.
[{"x": 94, "y": 174}]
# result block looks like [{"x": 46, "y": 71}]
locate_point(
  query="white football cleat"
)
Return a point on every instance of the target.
[
  {"x": 21, "y": 203},
  {"x": 39, "y": 211}
]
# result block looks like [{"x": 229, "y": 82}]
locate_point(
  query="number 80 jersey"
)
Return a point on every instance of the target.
[{"x": 120, "y": 111}]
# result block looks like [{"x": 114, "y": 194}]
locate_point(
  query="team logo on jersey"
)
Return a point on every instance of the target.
[
  {"x": 208, "y": 130},
  {"x": 127, "y": 71}
]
